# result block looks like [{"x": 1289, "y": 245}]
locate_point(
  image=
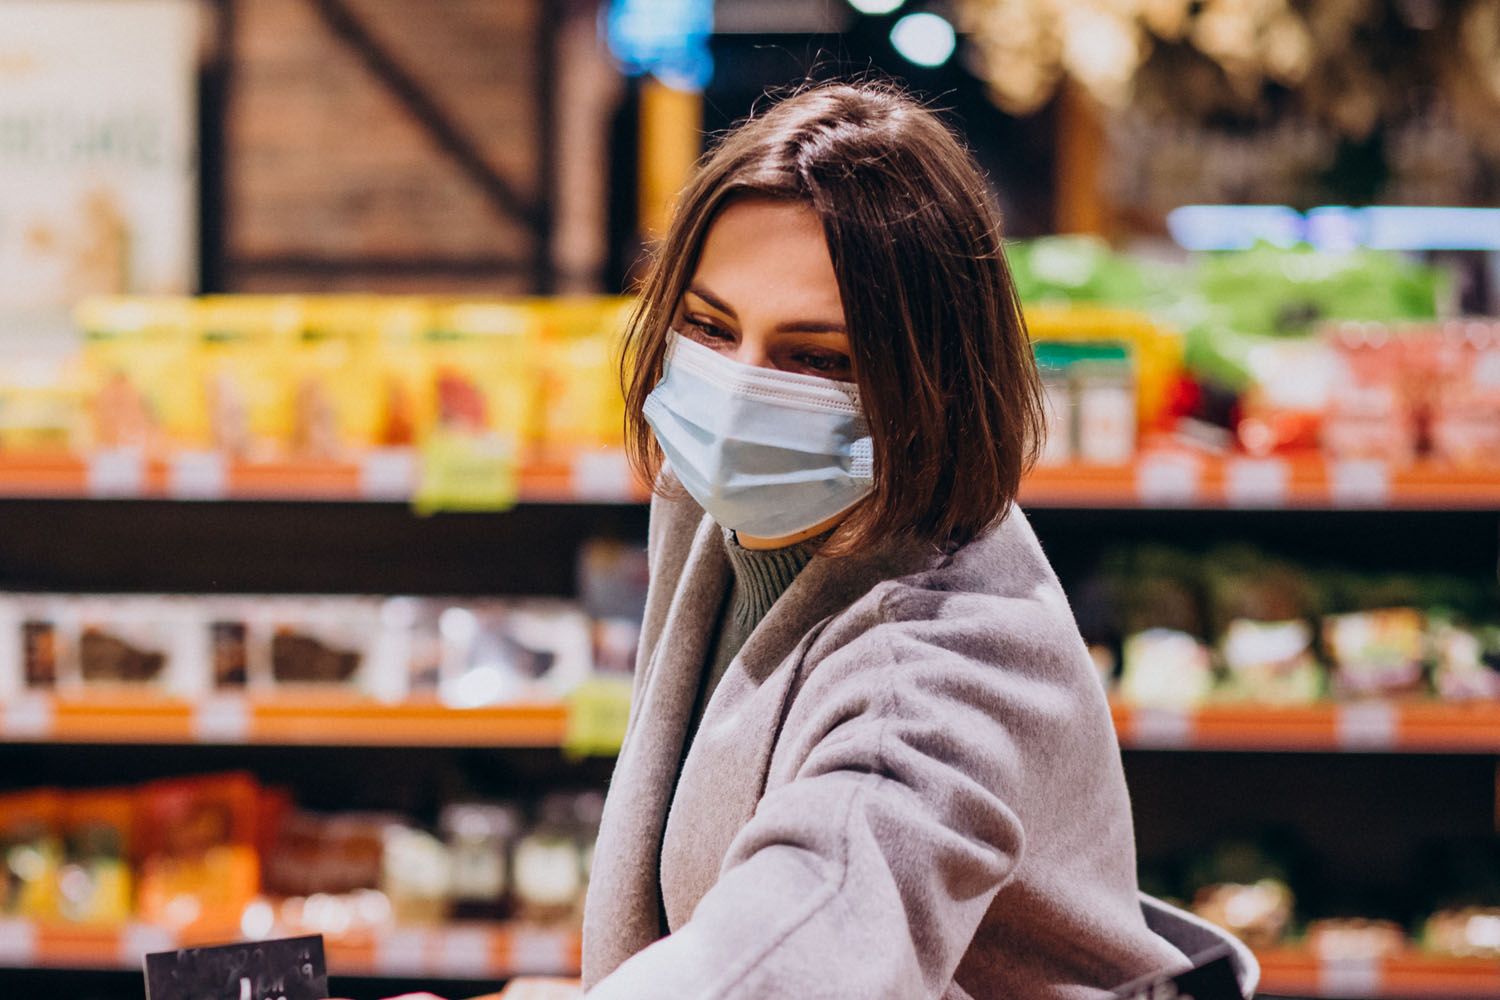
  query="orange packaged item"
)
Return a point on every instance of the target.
[
  {"x": 333, "y": 370},
  {"x": 32, "y": 852},
  {"x": 94, "y": 884},
  {"x": 244, "y": 342},
  {"x": 138, "y": 361},
  {"x": 582, "y": 406},
  {"x": 1372, "y": 412},
  {"x": 198, "y": 862}
]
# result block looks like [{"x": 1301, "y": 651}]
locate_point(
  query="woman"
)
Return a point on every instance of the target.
[{"x": 868, "y": 755}]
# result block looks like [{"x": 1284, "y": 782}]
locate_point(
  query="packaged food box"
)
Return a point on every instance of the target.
[
  {"x": 324, "y": 643},
  {"x": 152, "y": 643},
  {"x": 140, "y": 362},
  {"x": 1376, "y": 653},
  {"x": 199, "y": 867},
  {"x": 245, "y": 346},
  {"x": 499, "y": 651}
]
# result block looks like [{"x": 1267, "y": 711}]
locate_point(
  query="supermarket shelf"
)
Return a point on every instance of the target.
[
  {"x": 1157, "y": 479},
  {"x": 305, "y": 720},
  {"x": 1413, "y": 727},
  {"x": 453, "y": 951},
  {"x": 1298, "y": 973},
  {"x": 333, "y": 720},
  {"x": 1182, "y": 479}
]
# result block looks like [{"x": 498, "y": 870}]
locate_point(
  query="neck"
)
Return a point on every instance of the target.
[{"x": 754, "y": 543}]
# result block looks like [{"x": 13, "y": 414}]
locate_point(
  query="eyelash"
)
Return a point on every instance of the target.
[{"x": 822, "y": 363}]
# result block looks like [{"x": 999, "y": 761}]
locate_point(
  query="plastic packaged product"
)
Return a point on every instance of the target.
[
  {"x": 1104, "y": 389},
  {"x": 410, "y": 641},
  {"x": 36, "y": 643},
  {"x": 42, "y": 405},
  {"x": 1270, "y": 662},
  {"x": 150, "y": 642},
  {"x": 482, "y": 370},
  {"x": 480, "y": 837},
  {"x": 1163, "y": 668},
  {"x": 326, "y": 643},
  {"x": 514, "y": 650},
  {"x": 401, "y": 370},
  {"x": 95, "y": 884},
  {"x": 582, "y": 404},
  {"x": 548, "y": 872},
  {"x": 199, "y": 866},
  {"x": 416, "y": 875},
  {"x": 244, "y": 347},
  {"x": 1468, "y": 932},
  {"x": 1464, "y": 669},
  {"x": 32, "y": 852},
  {"x": 1371, "y": 409},
  {"x": 139, "y": 357},
  {"x": 1376, "y": 653},
  {"x": 227, "y": 624},
  {"x": 1052, "y": 362},
  {"x": 1465, "y": 408},
  {"x": 1257, "y": 914},
  {"x": 333, "y": 370},
  {"x": 327, "y": 854},
  {"x": 1345, "y": 938}
]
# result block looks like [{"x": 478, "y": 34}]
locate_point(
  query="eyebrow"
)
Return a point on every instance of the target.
[{"x": 790, "y": 326}]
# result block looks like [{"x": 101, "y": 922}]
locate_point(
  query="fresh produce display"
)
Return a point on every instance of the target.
[
  {"x": 1237, "y": 625},
  {"x": 221, "y": 854}
]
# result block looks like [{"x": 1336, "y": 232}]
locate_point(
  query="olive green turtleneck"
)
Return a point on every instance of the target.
[{"x": 760, "y": 576}]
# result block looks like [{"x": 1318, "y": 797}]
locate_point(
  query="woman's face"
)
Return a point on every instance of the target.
[{"x": 765, "y": 293}]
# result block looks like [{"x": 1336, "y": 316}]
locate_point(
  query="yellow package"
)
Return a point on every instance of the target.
[
  {"x": 42, "y": 406},
  {"x": 1156, "y": 350},
  {"x": 582, "y": 405},
  {"x": 94, "y": 884},
  {"x": 139, "y": 374},
  {"x": 333, "y": 378},
  {"x": 400, "y": 369},
  {"x": 31, "y": 852},
  {"x": 244, "y": 344},
  {"x": 481, "y": 370}
]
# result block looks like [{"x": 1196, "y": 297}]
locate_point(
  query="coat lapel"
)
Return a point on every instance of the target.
[{"x": 622, "y": 915}]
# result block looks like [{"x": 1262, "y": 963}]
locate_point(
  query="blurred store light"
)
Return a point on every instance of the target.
[
  {"x": 666, "y": 38},
  {"x": 925, "y": 39},
  {"x": 1336, "y": 227},
  {"x": 875, "y": 6}
]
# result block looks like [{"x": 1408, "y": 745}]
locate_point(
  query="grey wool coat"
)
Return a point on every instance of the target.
[{"x": 906, "y": 785}]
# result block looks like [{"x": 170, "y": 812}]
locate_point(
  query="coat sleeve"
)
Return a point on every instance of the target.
[{"x": 866, "y": 873}]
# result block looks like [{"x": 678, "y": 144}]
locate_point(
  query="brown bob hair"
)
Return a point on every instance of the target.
[{"x": 940, "y": 350}]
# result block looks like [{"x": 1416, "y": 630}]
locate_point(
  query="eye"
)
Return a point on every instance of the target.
[
  {"x": 706, "y": 332},
  {"x": 823, "y": 362}
]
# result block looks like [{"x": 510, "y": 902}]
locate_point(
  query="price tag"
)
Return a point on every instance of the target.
[
  {"x": 1360, "y": 483},
  {"x": 401, "y": 952},
  {"x": 1256, "y": 482},
  {"x": 598, "y": 710},
  {"x": 1167, "y": 480},
  {"x": 1161, "y": 728},
  {"x": 388, "y": 474},
  {"x": 465, "y": 951},
  {"x": 1367, "y": 725},
  {"x": 539, "y": 952},
  {"x": 198, "y": 475},
  {"x": 140, "y": 940},
  {"x": 602, "y": 475},
  {"x": 17, "y": 943},
  {"x": 27, "y": 717},
  {"x": 117, "y": 473},
  {"x": 466, "y": 472},
  {"x": 221, "y": 719},
  {"x": 1349, "y": 977}
]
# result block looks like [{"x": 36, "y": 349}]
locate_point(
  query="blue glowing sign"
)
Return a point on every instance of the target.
[
  {"x": 666, "y": 38},
  {"x": 1335, "y": 227}
]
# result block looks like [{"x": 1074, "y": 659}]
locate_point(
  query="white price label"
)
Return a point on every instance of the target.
[
  {"x": 1256, "y": 482},
  {"x": 388, "y": 474},
  {"x": 221, "y": 719},
  {"x": 117, "y": 473},
  {"x": 1349, "y": 977},
  {"x": 465, "y": 951},
  {"x": 139, "y": 940},
  {"x": 198, "y": 475},
  {"x": 401, "y": 952},
  {"x": 17, "y": 943},
  {"x": 601, "y": 475},
  {"x": 1167, "y": 480},
  {"x": 1367, "y": 725},
  {"x": 27, "y": 717},
  {"x": 1360, "y": 483},
  {"x": 1161, "y": 728}
]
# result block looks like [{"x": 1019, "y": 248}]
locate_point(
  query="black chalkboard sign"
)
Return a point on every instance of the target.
[
  {"x": 1211, "y": 978},
  {"x": 281, "y": 969}
]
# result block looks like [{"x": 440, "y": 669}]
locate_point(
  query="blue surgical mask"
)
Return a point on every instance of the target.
[{"x": 767, "y": 453}]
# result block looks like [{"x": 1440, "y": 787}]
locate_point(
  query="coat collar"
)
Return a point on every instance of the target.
[{"x": 624, "y": 910}]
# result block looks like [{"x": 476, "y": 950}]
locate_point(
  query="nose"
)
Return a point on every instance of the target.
[{"x": 751, "y": 351}]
